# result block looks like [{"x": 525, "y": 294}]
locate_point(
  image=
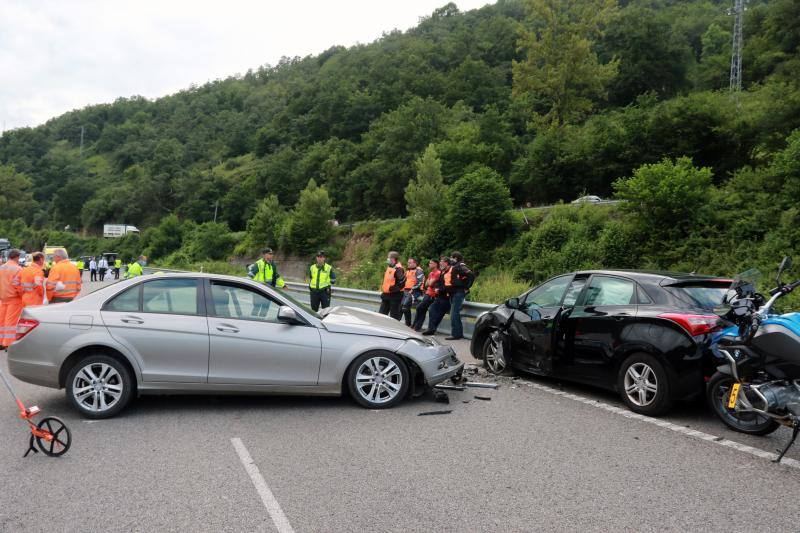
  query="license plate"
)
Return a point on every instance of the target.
[{"x": 734, "y": 395}]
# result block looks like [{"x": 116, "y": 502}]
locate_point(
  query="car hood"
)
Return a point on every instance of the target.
[{"x": 343, "y": 319}]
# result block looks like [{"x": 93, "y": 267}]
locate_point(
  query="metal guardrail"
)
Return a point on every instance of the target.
[{"x": 371, "y": 300}]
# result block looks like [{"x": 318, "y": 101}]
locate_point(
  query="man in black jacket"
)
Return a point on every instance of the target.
[{"x": 458, "y": 283}]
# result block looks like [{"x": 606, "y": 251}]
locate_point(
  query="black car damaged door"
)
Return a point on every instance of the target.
[{"x": 533, "y": 326}]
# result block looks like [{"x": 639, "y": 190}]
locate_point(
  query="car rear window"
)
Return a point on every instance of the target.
[{"x": 702, "y": 295}]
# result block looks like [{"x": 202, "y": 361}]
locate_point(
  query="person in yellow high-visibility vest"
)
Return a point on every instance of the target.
[
  {"x": 117, "y": 267},
  {"x": 265, "y": 271},
  {"x": 135, "y": 268},
  {"x": 319, "y": 286}
]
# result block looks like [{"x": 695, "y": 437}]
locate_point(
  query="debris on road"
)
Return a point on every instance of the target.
[
  {"x": 485, "y": 398},
  {"x": 426, "y": 413},
  {"x": 449, "y": 387},
  {"x": 440, "y": 396},
  {"x": 477, "y": 385}
]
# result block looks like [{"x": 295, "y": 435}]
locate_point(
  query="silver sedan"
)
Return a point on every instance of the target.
[{"x": 207, "y": 334}]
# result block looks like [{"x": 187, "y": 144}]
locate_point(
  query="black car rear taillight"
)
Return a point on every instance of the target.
[{"x": 693, "y": 324}]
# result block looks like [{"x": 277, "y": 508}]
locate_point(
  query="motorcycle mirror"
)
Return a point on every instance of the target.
[
  {"x": 512, "y": 303},
  {"x": 786, "y": 264}
]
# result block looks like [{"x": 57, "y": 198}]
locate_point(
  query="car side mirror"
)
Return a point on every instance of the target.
[
  {"x": 287, "y": 315},
  {"x": 512, "y": 303}
]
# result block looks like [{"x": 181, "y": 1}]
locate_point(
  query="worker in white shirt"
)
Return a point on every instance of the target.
[
  {"x": 92, "y": 270},
  {"x": 102, "y": 266}
]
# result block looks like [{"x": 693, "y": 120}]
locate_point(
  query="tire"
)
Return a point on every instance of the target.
[
  {"x": 99, "y": 386},
  {"x": 718, "y": 392},
  {"x": 495, "y": 362},
  {"x": 378, "y": 380},
  {"x": 650, "y": 393}
]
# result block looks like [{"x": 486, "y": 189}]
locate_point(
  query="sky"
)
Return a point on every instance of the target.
[{"x": 58, "y": 55}]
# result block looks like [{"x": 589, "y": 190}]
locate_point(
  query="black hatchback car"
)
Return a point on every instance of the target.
[{"x": 643, "y": 334}]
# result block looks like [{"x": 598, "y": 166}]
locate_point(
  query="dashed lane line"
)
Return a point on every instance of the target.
[
  {"x": 270, "y": 502},
  {"x": 793, "y": 463}
]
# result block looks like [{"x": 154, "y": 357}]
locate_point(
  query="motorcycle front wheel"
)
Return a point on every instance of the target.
[{"x": 718, "y": 392}]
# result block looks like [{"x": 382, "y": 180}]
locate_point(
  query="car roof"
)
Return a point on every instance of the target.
[{"x": 658, "y": 275}]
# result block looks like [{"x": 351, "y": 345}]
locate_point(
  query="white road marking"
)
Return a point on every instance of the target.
[
  {"x": 272, "y": 505},
  {"x": 669, "y": 425}
]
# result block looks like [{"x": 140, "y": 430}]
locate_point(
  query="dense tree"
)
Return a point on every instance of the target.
[
  {"x": 16, "y": 200},
  {"x": 562, "y": 71}
]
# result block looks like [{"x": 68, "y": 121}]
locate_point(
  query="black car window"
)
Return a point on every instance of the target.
[
  {"x": 170, "y": 296},
  {"x": 607, "y": 290},
  {"x": 125, "y": 302},
  {"x": 237, "y": 302},
  {"x": 548, "y": 294},
  {"x": 642, "y": 295},
  {"x": 574, "y": 290}
]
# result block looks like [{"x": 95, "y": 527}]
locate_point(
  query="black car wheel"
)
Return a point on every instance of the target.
[
  {"x": 644, "y": 385},
  {"x": 495, "y": 354},
  {"x": 718, "y": 393}
]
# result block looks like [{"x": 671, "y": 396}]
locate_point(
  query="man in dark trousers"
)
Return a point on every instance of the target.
[
  {"x": 394, "y": 281},
  {"x": 458, "y": 280},
  {"x": 430, "y": 293},
  {"x": 415, "y": 278},
  {"x": 322, "y": 277},
  {"x": 441, "y": 300}
]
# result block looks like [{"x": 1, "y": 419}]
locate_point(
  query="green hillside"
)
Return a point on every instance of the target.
[{"x": 518, "y": 103}]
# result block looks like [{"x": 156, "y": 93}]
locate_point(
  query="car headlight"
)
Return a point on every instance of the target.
[{"x": 423, "y": 342}]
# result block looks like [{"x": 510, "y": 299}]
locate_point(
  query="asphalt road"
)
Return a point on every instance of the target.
[{"x": 538, "y": 456}]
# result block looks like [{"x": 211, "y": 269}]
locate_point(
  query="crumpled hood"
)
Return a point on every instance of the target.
[{"x": 343, "y": 319}]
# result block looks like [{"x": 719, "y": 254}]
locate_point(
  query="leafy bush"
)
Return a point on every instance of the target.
[
  {"x": 496, "y": 287},
  {"x": 211, "y": 240}
]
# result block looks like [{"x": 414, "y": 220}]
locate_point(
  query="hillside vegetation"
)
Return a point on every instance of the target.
[{"x": 453, "y": 125}]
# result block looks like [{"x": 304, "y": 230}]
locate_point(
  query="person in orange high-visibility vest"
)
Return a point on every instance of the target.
[
  {"x": 64, "y": 279},
  {"x": 412, "y": 292},
  {"x": 394, "y": 281},
  {"x": 10, "y": 299},
  {"x": 31, "y": 281}
]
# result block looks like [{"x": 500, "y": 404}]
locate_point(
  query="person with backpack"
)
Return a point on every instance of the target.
[{"x": 458, "y": 281}]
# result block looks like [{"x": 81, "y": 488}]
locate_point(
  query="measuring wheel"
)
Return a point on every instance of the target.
[{"x": 61, "y": 437}]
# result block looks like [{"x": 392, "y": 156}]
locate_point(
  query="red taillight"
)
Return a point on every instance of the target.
[
  {"x": 25, "y": 326},
  {"x": 693, "y": 324}
]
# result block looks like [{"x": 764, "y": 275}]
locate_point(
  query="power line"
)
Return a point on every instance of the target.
[{"x": 736, "y": 51}]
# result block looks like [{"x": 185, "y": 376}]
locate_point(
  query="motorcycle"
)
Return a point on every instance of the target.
[{"x": 756, "y": 388}]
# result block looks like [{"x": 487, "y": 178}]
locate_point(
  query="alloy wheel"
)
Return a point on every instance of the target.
[
  {"x": 379, "y": 380},
  {"x": 97, "y": 387},
  {"x": 494, "y": 355},
  {"x": 641, "y": 384}
]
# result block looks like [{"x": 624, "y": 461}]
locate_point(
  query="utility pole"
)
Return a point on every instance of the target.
[
  {"x": 81, "y": 150},
  {"x": 216, "y": 205},
  {"x": 736, "y": 52}
]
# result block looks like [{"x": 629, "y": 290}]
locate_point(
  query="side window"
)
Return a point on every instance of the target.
[
  {"x": 642, "y": 295},
  {"x": 172, "y": 296},
  {"x": 241, "y": 303},
  {"x": 549, "y": 294},
  {"x": 574, "y": 291},
  {"x": 604, "y": 290},
  {"x": 125, "y": 302}
]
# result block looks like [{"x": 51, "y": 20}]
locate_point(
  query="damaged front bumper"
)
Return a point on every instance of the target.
[{"x": 437, "y": 362}]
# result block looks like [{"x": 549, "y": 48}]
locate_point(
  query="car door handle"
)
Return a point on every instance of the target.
[
  {"x": 132, "y": 320},
  {"x": 621, "y": 316},
  {"x": 229, "y": 329}
]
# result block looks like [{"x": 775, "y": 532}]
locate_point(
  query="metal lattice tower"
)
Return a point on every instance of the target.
[{"x": 736, "y": 52}]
